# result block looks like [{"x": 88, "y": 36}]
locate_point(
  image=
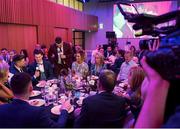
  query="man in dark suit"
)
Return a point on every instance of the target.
[
  {"x": 60, "y": 55},
  {"x": 18, "y": 65},
  {"x": 40, "y": 69},
  {"x": 20, "y": 114},
  {"x": 108, "y": 52},
  {"x": 104, "y": 109},
  {"x": 118, "y": 62}
]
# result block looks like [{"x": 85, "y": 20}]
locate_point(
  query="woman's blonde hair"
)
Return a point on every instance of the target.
[
  {"x": 137, "y": 76},
  {"x": 100, "y": 56},
  {"x": 4, "y": 67}
]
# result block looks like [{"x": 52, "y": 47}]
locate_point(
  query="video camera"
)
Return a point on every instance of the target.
[
  {"x": 165, "y": 60},
  {"x": 147, "y": 24}
]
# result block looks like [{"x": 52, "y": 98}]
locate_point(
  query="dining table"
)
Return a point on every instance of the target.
[{"x": 75, "y": 94}]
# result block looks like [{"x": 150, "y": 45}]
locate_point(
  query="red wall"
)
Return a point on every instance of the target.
[
  {"x": 17, "y": 37},
  {"x": 42, "y": 18}
]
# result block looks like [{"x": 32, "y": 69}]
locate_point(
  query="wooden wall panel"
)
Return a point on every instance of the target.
[
  {"x": 18, "y": 37},
  {"x": 61, "y": 32},
  {"x": 44, "y": 16}
]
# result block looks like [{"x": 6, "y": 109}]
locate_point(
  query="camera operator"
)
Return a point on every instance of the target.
[
  {"x": 161, "y": 97},
  {"x": 153, "y": 110},
  {"x": 162, "y": 67}
]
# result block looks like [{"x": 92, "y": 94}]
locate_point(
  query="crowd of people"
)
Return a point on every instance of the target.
[{"x": 18, "y": 75}]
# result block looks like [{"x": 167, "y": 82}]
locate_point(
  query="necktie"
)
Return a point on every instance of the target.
[
  {"x": 60, "y": 49},
  {"x": 21, "y": 70}
]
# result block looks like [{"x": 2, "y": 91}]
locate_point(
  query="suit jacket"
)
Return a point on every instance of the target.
[
  {"x": 48, "y": 70},
  {"x": 53, "y": 54},
  {"x": 102, "y": 110},
  {"x": 106, "y": 53},
  {"x": 14, "y": 70},
  {"x": 20, "y": 114},
  {"x": 117, "y": 64}
]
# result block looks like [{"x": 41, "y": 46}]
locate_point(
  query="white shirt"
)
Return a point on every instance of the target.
[
  {"x": 60, "y": 51},
  {"x": 10, "y": 75},
  {"x": 124, "y": 70},
  {"x": 41, "y": 67},
  {"x": 19, "y": 69}
]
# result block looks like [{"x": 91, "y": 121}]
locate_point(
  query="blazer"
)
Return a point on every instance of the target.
[
  {"x": 48, "y": 70},
  {"x": 20, "y": 114},
  {"x": 53, "y": 54},
  {"x": 14, "y": 70},
  {"x": 102, "y": 110},
  {"x": 106, "y": 53},
  {"x": 117, "y": 64}
]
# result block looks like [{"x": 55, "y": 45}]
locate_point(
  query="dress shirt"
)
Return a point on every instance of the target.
[
  {"x": 60, "y": 51},
  {"x": 19, "y": 69},
  {"x": 124, "y": 70},
  {"x": 41, "y": 67}
]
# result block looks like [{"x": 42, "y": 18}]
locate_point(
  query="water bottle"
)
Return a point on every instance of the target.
[
  {"x": 38, "y": 70},
  {"x": 46, "y": 95},
  {"x": 55, "y": 97},
  {"x": 70, "y": 73},
  {"x": 62, "y": 85}
]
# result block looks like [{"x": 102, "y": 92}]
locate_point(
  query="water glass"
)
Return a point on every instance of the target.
[
  {"x": 46, "y": 98},
  {"x": 43, "y": 93},
  {"x": 55, "y": 98}
]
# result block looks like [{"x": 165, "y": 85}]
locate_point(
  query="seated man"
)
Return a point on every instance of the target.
[
  {"x": 40, "y": 69},
  {"x": 126, "y": 66},
  {"x": 108, "y": 52},
  {"x": 20, "y": 114},
  {"x": 18, "y": 65},
  {"x": 104, "y": 109}
]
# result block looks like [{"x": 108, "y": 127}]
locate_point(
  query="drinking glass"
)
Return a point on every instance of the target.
[{"x": 46, "y": 98}]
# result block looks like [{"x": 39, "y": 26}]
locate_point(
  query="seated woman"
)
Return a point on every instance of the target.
[
  {"x": 79, "y": 67},
  {"x": 5, "y": 93},
  {"x": 99, "y": 64},
  {"x": 135, "y": 79}
]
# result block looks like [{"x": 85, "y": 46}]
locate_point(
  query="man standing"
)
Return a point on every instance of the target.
[
  {"x": 105, "y": 109},
  {"x": 60, "y": 55},
  {"x": 20, "y": 114}
]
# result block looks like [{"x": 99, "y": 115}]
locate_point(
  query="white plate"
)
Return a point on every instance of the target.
[
  {"x": 52, "y": 81},
  {"x": 37, "y": 102},
  {"x": 35, "y": 93},
  {"x": 62, "y": 99},
  {"x": 40, "y": 85},
  {"x": 56, "y": 110}
]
